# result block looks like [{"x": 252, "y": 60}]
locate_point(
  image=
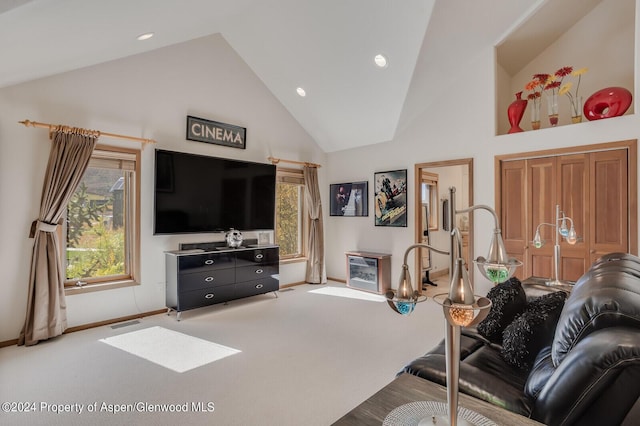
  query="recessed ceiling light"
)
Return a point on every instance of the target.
[
  {"x": 381, "y": 61},
  {"x": 301, "y": 92},
  {"x": 145, "y": 36}
]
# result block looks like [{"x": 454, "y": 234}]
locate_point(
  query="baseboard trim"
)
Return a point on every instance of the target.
[
  {"x": 95, "y": 324},
  {"x": 291, "y": 284}
]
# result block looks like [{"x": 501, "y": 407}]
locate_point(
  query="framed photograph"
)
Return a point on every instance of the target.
[
  {"x": 349, "y": 199},
  {"x": 390, "y": 198}
]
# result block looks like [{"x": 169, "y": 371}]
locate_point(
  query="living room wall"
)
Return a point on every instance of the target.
[
  {"x": 457, "y": 122},
  {"x": 147, "y": 95}
]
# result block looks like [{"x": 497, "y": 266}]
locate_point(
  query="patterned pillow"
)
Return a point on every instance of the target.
[
  {"x": 532, "y": 330},
  {"x": 508, "y": 299}
]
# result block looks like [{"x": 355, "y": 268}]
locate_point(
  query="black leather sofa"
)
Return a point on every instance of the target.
[{"x": 588, "y": 373}]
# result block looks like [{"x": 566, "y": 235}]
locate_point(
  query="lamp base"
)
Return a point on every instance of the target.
[
  {"x": 559, "y": 283},
  {"x": 442, "y": 421},
  {"x": 432, "y": 413}
]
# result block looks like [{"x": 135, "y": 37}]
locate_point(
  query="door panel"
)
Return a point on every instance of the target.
[
  {"x": 541, "y": 209},
  {"x": 594, "y": 187},
  {"x": 573, "y": 190},
  {"x": 609, "y": 229},
  {"x": 514, "y": 231}
]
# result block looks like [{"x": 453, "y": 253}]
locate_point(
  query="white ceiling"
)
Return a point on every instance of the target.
[{"x": 325, "y": 46}]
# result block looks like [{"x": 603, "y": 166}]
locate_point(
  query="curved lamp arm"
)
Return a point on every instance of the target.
[
  {"x": 496, "y": 267},
  {"x": 483, "y": 207},
  {"x": 421, "y": 245}
]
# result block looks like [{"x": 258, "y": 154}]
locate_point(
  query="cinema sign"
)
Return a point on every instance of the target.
[{"x": 201, "y": 130}]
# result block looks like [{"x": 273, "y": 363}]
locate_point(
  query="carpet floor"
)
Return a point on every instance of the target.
[{"x": 303, "y": 359}]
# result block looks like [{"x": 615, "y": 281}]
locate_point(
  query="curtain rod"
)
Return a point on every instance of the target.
[
  {"x": 52, "y": 127},
  {"x": 303, "y": 163}
]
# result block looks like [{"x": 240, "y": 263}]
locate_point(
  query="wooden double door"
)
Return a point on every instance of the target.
[{"x": 594, "y": 186}]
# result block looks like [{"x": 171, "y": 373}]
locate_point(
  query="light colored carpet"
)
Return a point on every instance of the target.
[
  {"x": 170, "y": 349},
  {"x": 349, "y": 293},
  {"x": 307, "y": 359}
]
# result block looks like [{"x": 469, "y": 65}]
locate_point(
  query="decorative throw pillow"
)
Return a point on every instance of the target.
[
  {"x": 532, "y": 330},
  {"x": 508, "y": 299}
]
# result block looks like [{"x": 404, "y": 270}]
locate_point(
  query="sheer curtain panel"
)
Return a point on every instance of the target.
[
  {"x": 46, "y": 307},
  {"x": 316, "y": 269}
]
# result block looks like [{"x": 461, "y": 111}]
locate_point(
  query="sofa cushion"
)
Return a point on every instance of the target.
[
  {"x": 483, "y": 375},
  {"x": 540, "y": 373},
  {"x": 532, "y": 330},
  {"x": 508, "y": 299},
  {"x": 608, "y": 295}
]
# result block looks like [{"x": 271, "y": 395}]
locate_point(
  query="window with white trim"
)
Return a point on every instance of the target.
[{"x": 100, "y": 237}]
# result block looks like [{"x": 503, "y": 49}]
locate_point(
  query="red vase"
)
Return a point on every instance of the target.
[
  {"x": 515, "y": 113},
  {"x": 606, "y": 103}
]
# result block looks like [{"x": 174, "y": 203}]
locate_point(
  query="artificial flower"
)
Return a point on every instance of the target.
[
  {"x": 535, "y": 86},
  {"x": 573, "y": 97},
  {"x": 554, "y": 81}
]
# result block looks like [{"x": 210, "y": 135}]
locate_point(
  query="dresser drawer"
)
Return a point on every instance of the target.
[
  {"x": 212, "y": 278},
  {"x": 254, "y": 272},
  {"x": 207, "y": 261},
  {"x": 260, "y": 286},
  {"x": 257, "y": 256},
  {"x": 205, "y": 296}
]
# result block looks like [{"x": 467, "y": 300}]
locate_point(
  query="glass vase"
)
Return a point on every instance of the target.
[
  {"x": 535, "y": 114},
  {"x": 576, "y": 109},
  {"x": 552, "y": 109}
]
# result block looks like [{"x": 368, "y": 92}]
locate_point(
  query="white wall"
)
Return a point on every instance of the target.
[
  {"x": 455, "y": 137},
  {"x": 602, "y": 41},
  {"x": 147, "y": 95},
  {"x": 150, "y": 95}
]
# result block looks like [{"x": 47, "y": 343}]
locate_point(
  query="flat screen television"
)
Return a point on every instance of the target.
[{"x": 198, "y": 193}]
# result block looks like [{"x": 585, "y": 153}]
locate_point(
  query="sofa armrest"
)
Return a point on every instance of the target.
[{"x": 596, "y": 383}]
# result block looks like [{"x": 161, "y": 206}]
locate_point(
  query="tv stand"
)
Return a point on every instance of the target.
[{"x": 211, "y": 274}]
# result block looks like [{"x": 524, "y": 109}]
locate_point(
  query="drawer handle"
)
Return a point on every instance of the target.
[
  {"x": 208, "y": 279},
  {"x": 259, "y": 256},
  {"x": 208, "y": 262},
  {"x": 259, "y": 286},
  {"x": 208, "y": 296},
  {"x": 259, "y": 271}
]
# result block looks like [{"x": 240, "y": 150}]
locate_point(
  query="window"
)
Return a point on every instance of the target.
[
  {"x": 101, "y": 238},
  {"x": 290, "y": 213}
]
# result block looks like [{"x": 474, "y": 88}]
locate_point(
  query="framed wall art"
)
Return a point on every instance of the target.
[
  {"x": 349, "y": 199},
  {"x": 390, "y": 198}
]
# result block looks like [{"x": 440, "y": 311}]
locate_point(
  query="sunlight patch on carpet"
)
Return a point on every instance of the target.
[
  {"x": 350, "y": 293},
  {"x": 170, "y": 349}
]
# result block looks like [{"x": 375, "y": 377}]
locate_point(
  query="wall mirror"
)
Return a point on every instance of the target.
[{"x": 432, "y": 183}]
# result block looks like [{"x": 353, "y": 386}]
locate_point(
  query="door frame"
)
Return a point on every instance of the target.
[{"x": 418, "y": 206}]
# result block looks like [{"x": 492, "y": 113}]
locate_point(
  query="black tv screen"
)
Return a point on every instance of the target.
[{"x": 197, "y": 193}]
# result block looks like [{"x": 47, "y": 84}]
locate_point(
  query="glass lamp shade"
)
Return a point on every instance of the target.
[
  {"x": 497, "y": 267},
  {"x": 537, "y": 241},
  {"x": 404, "y": 299},
  {"x": 463, "y": 315},
  {"x": 564, "y": 231},
  {"x": 460, "y": 291},
  {"x": 572, "y": 237}
]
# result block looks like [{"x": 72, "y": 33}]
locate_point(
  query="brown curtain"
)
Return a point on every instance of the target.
[
  {"x": 46, "y": 307},
  {"x": 316, "y": 270}
]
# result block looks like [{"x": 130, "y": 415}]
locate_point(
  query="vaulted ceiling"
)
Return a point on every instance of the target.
[{"x": 326, "y": 47}]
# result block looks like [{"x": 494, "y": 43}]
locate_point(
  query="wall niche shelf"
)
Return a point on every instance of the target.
[{"x": 595, "y": 34}]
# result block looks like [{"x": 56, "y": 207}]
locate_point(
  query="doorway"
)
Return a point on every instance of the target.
[{"x": 432, "y": 182}]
